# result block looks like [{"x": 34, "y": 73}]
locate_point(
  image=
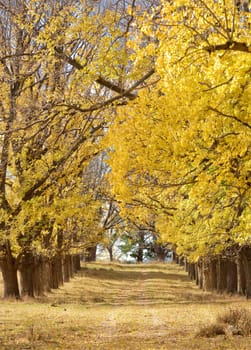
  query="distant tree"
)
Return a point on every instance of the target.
[
  {"x": 112, "y": 226},
  {"x": 142, "y": 244}
]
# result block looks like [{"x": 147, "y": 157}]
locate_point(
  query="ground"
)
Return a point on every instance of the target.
[{"x": 115, "y": 306}]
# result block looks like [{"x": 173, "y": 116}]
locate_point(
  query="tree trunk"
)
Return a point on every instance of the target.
[
  {"x": 54, "y": 275},
  {"x": 35, "y": 275},
  {"x": 160, "y": 251},
  {"x": 59, "y": 263},
  {"x": 46, "y": 278},
  {"x": 191, "y": 270},
  {"x": 231, "y": 276},
  {"x": 139, "y": 256},
  {"x": 241, "y": 282},
  {"x": 26, "y": 274},
  {"x": 71, "y": 266},
  {"x": 38, "y": 282},
  {"x": 196, "y": 274},
  {"x": 246, "y": 260},
  {"x": 182, "y": 261},
  {"x": 226, "y": 275},
  {"x": 9, "y": 273},
  {"x": 110, "y": 251},
  {"x": 56, "y": 272},
  {"x": 67, "y": 268},
  {"x": 76, "y": 263},
  {"x": 91, "y": 254},
  {"x": 221, "y": 275},
  {"x": 58, "y": 259},
  {"x": 199, "y": 280},
  {"x": 209, "y": 274}
]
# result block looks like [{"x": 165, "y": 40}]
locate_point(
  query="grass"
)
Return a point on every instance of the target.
[
  {"x": 113, "y": 306},
  {"x": 235, "y": 321}
]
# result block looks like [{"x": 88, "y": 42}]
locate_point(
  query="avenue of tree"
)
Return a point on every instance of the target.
[
  {"x": 124, "y": 116},
  {"x": 181, "y": 151}
]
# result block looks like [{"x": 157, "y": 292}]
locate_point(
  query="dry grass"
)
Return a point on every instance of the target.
[
  {"x": 116, "y": 306},
  {"x": 237, "y": 318},
  {"x": 233, "y": 322}
]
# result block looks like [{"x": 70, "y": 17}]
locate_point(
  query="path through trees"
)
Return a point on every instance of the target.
[{"x": 112, "y": 306}]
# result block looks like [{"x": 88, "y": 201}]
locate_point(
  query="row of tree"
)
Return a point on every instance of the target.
[
  {"x": 228, "y": 272},
  {"x": 160, "y": 91},
  {"x": 181, "y": 150},
  {"x": 64, "y": 66}
]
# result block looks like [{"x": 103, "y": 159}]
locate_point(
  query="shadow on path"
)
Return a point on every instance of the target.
[
  {"x": 130, "y": 274},
  {"x": 121, "y": 285}
]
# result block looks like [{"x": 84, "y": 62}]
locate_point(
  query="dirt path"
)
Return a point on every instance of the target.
[
  {"x": 132, "y": 307},
  {"x": 119, "y": 285}
]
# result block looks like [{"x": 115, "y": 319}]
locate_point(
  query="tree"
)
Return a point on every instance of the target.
[
  {"x": 112, "y": 226},
  {"x": 134, "y": 243},
  {"x": 142, "y": 243},
  {"x": 181, "y": 150},
  {"x": 39, "y": 138},
  {"x": 58, "y": 74}
]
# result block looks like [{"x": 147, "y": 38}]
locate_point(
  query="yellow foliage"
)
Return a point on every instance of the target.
[{"x": 182, "y": 150}]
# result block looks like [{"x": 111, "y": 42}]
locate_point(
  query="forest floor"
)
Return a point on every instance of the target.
[{"x": 115, "y": 306}]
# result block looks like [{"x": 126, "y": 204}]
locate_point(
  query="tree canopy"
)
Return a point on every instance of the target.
[
  {"x": 64, "y": 66},
  {"x": 181, "y": 151},
  {"x": 160, "y": 90}
]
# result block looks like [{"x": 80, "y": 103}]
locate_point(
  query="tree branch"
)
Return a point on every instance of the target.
[
  {"x": 230, "y": 45},
  {"x": 110, "y": 101},
  {"x": 33, "y": 190},
  {"x": 102, "y": 81},
  {"x": 229, "y": 116}
]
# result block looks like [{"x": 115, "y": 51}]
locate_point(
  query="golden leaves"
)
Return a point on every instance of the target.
[{"x": 185, "y": 143}]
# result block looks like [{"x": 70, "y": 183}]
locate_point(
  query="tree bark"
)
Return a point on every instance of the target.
[
  {"x": 196, "y": 273},
  {"x": 56, "y": 272},
  {"x": 110, "y": 251},
  {"x": 226, "y": 275},
  {"x": 71, "y": 267},
  {"x": 191, "y": 270},
  {"x": 199, "y": 280},
  {"x": 182, "y": 261},
  {"x": 76, "y": 263},
  {"x": 9, "y": 273},
  {"x": 241, "y": 281},
  {"x": 59, "y": 264},
  {"x": 209, "y": 274},
  {"x": 246, "y": 260},
  {"x": 35, "y": 275},
  {"x": 46, "y": 274},
  {"x": 67, "y": 268},
  {"x": 139, "y": 256},
  {"x": 160, "y": 251},
  {"x": 221, "y": 275},
  {"x": 91, "y": 254},
  {"x": 39, "y": 284},
  {"x": 231, "y": 276},
  {"x": 27, "y": 274}
]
